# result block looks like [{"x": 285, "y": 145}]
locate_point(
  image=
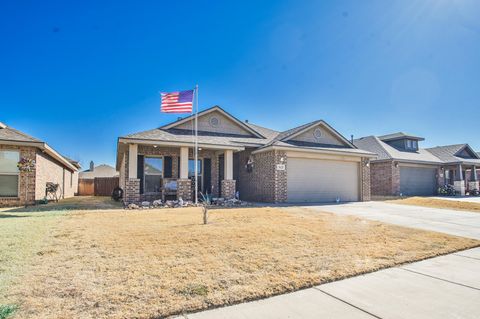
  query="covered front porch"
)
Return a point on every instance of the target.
[
  {"x": 151, "y": 171},
  {"x": 464, "y": 177}
]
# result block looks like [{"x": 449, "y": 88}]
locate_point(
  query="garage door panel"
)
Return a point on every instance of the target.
[
  {"x": 418, "y": 181},
  {"x": 314, "y": 180}
]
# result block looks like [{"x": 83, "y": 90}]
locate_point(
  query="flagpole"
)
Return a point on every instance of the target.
[{"x": 196, "y": 144}]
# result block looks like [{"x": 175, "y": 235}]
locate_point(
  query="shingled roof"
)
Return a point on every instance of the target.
[
  {"x": 9, "y": 135},
  {"x": 449, "y": 153},
  {"x": 387, "y": 152},
  {"x": 263, "y": 137}
]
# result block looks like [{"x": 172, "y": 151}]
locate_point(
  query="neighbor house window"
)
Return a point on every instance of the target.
[
  {"x": 9, "y": 173},
  {"x": 409, "y": 144},
  {"x": 415, "y": 145},
  {"x": 153, "y": 170}
]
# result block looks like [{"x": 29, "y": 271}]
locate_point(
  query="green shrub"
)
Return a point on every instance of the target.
[{"x": 7, "y": 310}]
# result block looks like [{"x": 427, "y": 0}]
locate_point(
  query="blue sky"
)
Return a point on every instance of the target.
[{"x": 78, "y": 74}]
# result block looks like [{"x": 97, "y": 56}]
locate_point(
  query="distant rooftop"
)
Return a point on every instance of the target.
[{"x": 398, "y": 136}]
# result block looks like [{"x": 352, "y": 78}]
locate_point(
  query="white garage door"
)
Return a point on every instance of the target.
[{"x": 314, "y": 180}]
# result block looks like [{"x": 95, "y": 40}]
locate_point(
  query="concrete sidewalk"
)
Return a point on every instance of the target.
[{"x": 441, "y": 287}]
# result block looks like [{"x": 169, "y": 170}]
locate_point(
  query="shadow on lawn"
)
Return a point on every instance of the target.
[{"x": 74, "y": 203}]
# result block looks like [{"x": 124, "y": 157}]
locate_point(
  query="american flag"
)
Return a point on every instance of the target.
[{"x": 177, "y": 102}]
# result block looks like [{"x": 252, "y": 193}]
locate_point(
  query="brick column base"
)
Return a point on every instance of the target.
[
  {"x": 459, "y": 187},
  {"x": 366, "y": 188},
  {"x": 132, "y": 190},
  {"x": 473, "y": 185},
  {"x": 184, "y": 189},
  {"x": 228, "y": 188}
]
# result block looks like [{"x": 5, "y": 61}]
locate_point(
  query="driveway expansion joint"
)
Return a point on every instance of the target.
[
  {"x": 437, "y": 278},
  {"x": 347, "y": 303},
  {"x": 467, "y": 256}
]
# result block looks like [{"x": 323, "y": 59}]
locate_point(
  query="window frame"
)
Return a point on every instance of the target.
[
  {"x": 144, "y": 172},
  {"x": 12, "y": 174}
]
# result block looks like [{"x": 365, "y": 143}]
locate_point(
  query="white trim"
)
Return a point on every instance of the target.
[
  {"x": 215, "y": 108},
  {"x": 180, "y": 144},
  {"x": 301, "y": 149}
]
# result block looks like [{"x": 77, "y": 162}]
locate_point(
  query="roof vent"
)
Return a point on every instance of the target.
[
  {"x": 2, "y": 125},
  {"x": 246, "y": 121}
]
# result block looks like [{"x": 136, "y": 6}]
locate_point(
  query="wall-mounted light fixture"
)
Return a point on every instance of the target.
[{"x": 396, "y": 164}]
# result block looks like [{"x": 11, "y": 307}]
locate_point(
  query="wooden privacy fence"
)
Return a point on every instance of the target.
[
  {"x": 85, "y": 187},
  {"x": 104, "y": 186},
  {"x": 100, "y": 186}
]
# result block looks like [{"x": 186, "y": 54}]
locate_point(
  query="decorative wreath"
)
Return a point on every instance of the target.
[{"x": 26, "y": 164}]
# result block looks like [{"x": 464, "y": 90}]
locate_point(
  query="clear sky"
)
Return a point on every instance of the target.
[{"x": 78, "y": 74}]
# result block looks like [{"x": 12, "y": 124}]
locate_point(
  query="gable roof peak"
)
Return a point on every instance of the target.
[{"x": 244, "y": 125}]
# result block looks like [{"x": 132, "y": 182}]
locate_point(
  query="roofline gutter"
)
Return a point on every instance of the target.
[
  {"x": 45, "y": 148},
  {"x": 179, "y": 144},
  {"x": 294, "y": 148}
]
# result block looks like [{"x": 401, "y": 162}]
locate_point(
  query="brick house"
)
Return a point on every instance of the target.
[
  {"x": 50, "y": 166},
  {"x": 402, "y": 168},
  {"x": 309, "y": 163}
]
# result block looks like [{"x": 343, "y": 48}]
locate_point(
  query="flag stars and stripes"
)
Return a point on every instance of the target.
[{"x": 177, "y": 102}]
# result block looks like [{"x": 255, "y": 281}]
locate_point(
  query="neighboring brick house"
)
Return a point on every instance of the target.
[
  {"x": 310, "y": 163},
  {"x": 402, "y": 168},
  {"x": 50, "y": 166}
]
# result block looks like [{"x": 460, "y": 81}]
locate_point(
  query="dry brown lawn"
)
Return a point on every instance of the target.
[
  {"x": 439, "y": 203},
  {"x": 156, "y": 263}
]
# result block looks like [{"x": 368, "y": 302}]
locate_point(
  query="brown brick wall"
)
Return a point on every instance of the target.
[
  {"x": 46, "y": 170},
  {"x": 184, "y": 189},
  {"x": 49, "y": 170},
  {"x": 25, "y": 152},
  {"x": 365, "y": 194},
  {"x": 264, "y": 183},
  {"x": 384, "y": 179}
]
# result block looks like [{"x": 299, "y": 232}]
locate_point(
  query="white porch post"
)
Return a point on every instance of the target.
[
  {"x": 183, "y": 162},
  {"x": 228, "y": 173},
  {"x": 132, "y": 160}
]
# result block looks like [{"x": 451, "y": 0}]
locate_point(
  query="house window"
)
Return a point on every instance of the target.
[
  {"x": 409, "y": 144},
  {"x": 415, "y": 145},
  {"x": 153, "y": 172},
  {"x": 191, "y": 167},
  {"x": 9, "y": 173}
]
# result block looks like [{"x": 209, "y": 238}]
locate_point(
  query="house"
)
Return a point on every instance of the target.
[
  {"x": 404, "y": 168},
  {"x": 102, "y": 170},
  {"x": 460, "y": 163},
  {"x": 309, "y": 163},
  {"x": 50, "y": 166}
]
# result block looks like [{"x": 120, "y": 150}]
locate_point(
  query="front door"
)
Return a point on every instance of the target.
[{"x": 207, "y": 176}]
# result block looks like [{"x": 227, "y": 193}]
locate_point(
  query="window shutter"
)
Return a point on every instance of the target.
[
  {"x": 140, "y": 171},
  {"x": 168, "y": 171},
  {"x": 178, "y": 167}
]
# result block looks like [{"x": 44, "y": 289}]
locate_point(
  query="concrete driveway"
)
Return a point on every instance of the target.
[
  {"x": 441, "y": 287},
  {"x": 452, "y": 222}
]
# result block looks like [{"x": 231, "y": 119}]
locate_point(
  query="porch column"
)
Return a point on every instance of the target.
[
  {"x": 184, "y": 184},
  {"x": 459, "y": 183},
  {"x": 228, "y": 184},
  {"x": 473, "y": 184},
  {"x": 132, "y": 160},
  {"x": 132, "y": 183},
  {"x": 228, "y": 173},
  {"x": 459, "y": 173},
  {"x": 183, "y": 162}
]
